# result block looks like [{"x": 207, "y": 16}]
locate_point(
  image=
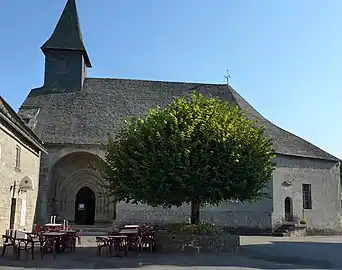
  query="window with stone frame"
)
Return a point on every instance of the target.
[
  {"x": 307, "y": 201},
  {"x": 17, "y": 157}
]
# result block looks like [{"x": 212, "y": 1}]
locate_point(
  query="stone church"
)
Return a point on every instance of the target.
[{"x": 73, "y": 115}]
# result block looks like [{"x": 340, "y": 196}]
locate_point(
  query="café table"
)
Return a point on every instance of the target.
[
  {"x": 133, "y": 238},
  {"x": 128, "y": 231},
  {"x": 131, "y": 227},
  {"x": 116, "y": 241},
  {"x": 68, "y": 231},
  {"x": 53, "y": 225},
  {"x": 57, "y": 235}
]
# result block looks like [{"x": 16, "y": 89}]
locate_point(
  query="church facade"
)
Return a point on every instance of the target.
[{"x": 74, "y": 114}]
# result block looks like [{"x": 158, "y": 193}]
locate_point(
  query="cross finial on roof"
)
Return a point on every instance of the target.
[{"x": 227, "y": 76}]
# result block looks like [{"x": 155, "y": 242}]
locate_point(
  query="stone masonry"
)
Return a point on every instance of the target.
[
  {"x": 264, "y": 215},
  {"x": 19, "y": 170}
]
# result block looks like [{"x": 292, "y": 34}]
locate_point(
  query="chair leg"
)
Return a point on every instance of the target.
[
  {"x": 110, "y": 250},
  {"x": 43, "y": 251},
  {"x": 15, "y": 252},
  {"x": 151, "y": 246}
]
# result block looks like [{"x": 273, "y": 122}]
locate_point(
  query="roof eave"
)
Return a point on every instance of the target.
[
  {"x": 45, "y": 48},
  {"x": 332, "y": 158},
  {"x": 40, "y": 147}
]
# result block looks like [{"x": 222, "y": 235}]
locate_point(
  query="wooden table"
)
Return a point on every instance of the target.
[
  {"x": 57, "y": 235},
  {"x": 53, "y": 225},
  {"x": 53, "y": 234},
  {"x": 116, "y": 241},
  {"x": 128, "y": 231},
  {"x": 131, "y": 227},
  {"x": 68, "y": 231}
]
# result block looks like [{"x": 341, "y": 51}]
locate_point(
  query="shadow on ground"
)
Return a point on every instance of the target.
[
  {"x": 86, "y": 258},
  {"x": 320, "y": 255}
]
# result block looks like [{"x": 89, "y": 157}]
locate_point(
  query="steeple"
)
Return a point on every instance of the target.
[
  {"x": 67, "y": 34},
  {"x": 66, "y": 59}
]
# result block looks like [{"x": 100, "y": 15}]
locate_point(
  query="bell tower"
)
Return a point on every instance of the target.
[{"x": 66, "y": 59}]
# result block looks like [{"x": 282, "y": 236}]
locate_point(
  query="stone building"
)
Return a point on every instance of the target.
[
  {"x": 73, "y": 115},
  {"x": 20, "y": 151}
]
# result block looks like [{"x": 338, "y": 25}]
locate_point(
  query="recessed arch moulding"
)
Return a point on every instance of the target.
[{"x": 71, "y": 172}]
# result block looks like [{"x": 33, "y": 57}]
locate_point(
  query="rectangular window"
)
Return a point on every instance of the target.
[
  {"x": 17, "y": 157},
  {"x": 307, "y": 202}
]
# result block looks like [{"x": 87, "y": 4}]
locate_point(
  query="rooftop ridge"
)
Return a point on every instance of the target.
[{"x": 155, "y": 81}]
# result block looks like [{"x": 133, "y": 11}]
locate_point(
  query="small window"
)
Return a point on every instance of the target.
[
  {"x": 17, "y": 157},
  {"x": 307, "y": 202}
]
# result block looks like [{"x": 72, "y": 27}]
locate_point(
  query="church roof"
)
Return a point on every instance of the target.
[
  {"x": 87, "y": 116},
  {"x": 15, "y": 121},
  {"x": 67, "y": 34}
]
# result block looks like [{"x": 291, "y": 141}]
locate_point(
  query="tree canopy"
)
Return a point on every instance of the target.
[{"x": 197, "y": 150}]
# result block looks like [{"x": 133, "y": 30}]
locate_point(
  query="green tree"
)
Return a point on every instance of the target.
[{"x": 197, "y": 150}]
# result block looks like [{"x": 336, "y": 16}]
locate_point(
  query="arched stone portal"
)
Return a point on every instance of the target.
[{"x": 72, "y": 174}]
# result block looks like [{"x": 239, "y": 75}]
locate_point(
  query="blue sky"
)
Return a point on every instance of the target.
[{"x": 284, "y": 56}]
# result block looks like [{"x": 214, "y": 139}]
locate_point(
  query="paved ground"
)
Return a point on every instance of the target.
[
  {"x": 255, "y": 253},
  {"x": 321, "y": 252}
]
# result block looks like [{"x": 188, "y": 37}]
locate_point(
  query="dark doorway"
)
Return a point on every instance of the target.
[
  {"x": 288, "y": 209},
  {"x": 85, "y": 207}
]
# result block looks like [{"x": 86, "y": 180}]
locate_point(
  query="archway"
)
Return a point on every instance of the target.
[
  {"x": 288, "y": 209},
  {"x": 67, "y": 177},
  {"x": 85, "y": 207}
]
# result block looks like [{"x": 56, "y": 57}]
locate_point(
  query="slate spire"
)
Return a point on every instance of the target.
[{"x": 67, "y": 34}]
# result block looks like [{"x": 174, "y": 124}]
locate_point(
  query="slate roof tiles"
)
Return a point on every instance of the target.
[{"x": 99, "y": 109}]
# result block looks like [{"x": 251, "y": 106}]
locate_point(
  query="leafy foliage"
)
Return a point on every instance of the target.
[
  {"x": 197, "y": 150},
  {"x": 194, "y": 229}
]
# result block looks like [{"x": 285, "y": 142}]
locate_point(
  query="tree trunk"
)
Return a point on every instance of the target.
[{"x": 195, "y": 211}]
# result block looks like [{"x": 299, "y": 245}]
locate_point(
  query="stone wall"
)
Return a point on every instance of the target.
[
  {"x": 260, "y": 216},
  {"x": 324, "y": 177},
  {"x": 231, "y": 214},
  {"x": 178, "y": 243},
  {"x": 255, "y": 216},
  {"x": 28, "y": 173}
]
